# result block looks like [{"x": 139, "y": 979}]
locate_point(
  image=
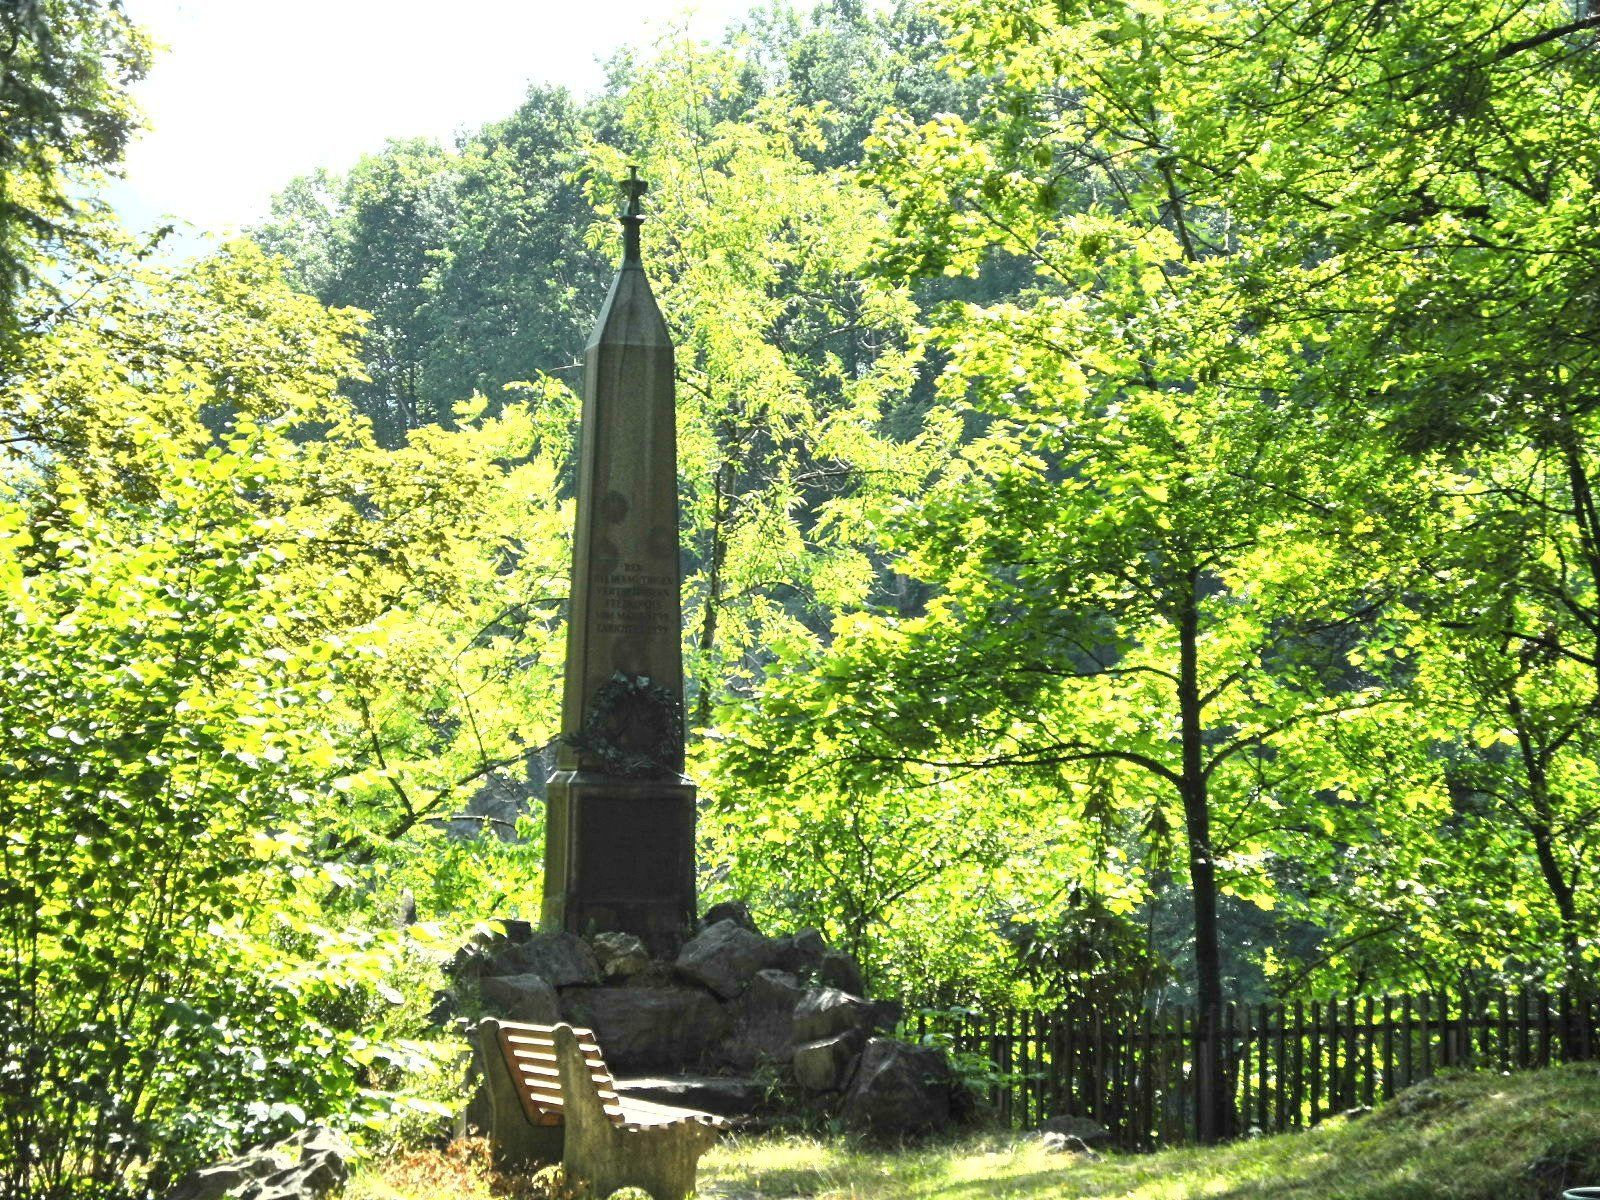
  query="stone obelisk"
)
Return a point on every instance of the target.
[{"x": 619, "y": 841}]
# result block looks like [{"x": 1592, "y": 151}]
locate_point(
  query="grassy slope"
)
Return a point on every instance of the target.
[{"x": 1485, "y": 1137}]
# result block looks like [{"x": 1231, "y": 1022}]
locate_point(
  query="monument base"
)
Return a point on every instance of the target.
[{"x": 620, "y": 857}]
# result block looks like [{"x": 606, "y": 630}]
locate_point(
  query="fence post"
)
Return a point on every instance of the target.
[
  {"x": 1146, "y": 1107},
  {"x": 1426, "y": 1002},
  {"x": 1544, "y": 1028},
  {"x": 1405, "y": 1043},
  {"x": 1450, "y": 1054},
  {"x": 1388, "y": 1048},
  {"x": 1316, "y": 1063},
  {"x": 1524, "y": 1039},
  {"x": 1128, "y": 1083},
  {"x": 1294, "y": 1067},
  {"x": 1246, "y": 1073},
  {"x": 1505, "y": 1031},
  {"x": 1229, "y": 1123},
  {"x": 1262, "y": 1044}
]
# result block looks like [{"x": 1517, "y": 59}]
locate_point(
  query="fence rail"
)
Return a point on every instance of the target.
[{"x": 1286, "y": 1066}]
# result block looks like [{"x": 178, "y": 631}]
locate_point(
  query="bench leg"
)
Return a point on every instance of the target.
[
  {"x": 517, "y": 1143},
  {"x": 660, "y": 1159}
]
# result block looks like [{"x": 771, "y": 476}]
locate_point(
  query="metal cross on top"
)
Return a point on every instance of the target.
[{"x": 634, "y": 188}]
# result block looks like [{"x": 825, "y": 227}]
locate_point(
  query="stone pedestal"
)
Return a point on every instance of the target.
[{"x": 621, "y": 852}]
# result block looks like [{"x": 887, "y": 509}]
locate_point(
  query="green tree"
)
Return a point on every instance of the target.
[
  {"x": 855, "y": 61},
  {"x": 65, "y": 70},
  {"x": 471, "y": 262},
  {"x": 1241, "y": 220},
  {"x": 517, "y": 287},
  {"x": 793, "y": 367},
  {"x": 385, "y": 227},
  {"x": 155, "y": 739},
  {"x": 205, "y": 555}
]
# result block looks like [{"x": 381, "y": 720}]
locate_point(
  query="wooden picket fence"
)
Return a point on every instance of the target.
[{"x": 1287, "y": 1066}]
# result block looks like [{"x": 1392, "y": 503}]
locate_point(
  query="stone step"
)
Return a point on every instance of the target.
[{"x": 734, "y": 1096}]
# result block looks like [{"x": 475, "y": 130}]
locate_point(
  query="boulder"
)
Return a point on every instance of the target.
[
  {"x": 763, "y": 1022},
  {"x": 839, "y": 970},
  {"x": 825, "y": 1065},
  {"x": 736, "y": 911},
  {"x": 898, "y": 1089},
  {"x": 648, "y": 1029},
  {"x": 620, "y": 955},
  {"x": 310, "y": 1165},
  {"x": 964, "y": 1107},
  {"x": 775, "y": 990},
  {"x": 317, "y": 1177},
  {"x": 561, "y": 959},
  {"x": 492, "y": 940},
  {"x": 823, "y": 1012},
  {"x": 656, "y": 974},
  {"x": 1065, "y": 1143},
  {"x": 217, "y": 1180},
  {"x": 800, "y": 953},
  {"x": 1422, "y": 1097},
  {"x": 724, "y": 957},
  {"x": 526, "y": 997},
  {"x": 1082, "y": 1128}
]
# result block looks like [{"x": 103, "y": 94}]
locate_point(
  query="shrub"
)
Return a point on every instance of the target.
[{"x": 157, "y": 755}]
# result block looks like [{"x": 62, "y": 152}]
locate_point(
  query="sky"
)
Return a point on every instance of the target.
[{"x": 249, "y": 93}]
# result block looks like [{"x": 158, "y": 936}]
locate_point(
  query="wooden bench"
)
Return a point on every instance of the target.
[{"x": 552, "y": 1099}]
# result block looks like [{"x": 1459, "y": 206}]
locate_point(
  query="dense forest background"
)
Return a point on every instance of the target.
[{"x": 1138, "y": 475}]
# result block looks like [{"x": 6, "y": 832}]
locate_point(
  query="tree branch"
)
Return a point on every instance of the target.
[{"x": 1549, "y": 35}]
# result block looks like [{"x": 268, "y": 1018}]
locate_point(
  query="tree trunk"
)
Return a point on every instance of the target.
[
  {"x": 721, "y": 510},
  {"x": 1539, "y": 820},
  {"x": 1213, "y": 1112}
]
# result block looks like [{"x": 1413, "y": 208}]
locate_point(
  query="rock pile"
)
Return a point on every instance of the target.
[
  {"x": 732, "y": 1001},
  {"x": 311, "y": 1165}
]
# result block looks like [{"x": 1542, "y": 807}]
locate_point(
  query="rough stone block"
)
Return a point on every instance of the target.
[
  {"x": 887, "y": 1015},
  {"x": 898, "y": 1089},
  {"x": 561, "y": 959},
  {"x": 823, "y": 1012},
  {"x": 736, "y": 911},
  {"x": 725, "y": 958},
  {"x": 493, "y": 940},
  {"x": 800, "y": 953},
  {"x": 648, "y": 1029},
  {"x": 309, "y": 1165},
  {"x": 763, "y": 1022},
  {"x": 620, "y": 955},
  {"x": 825, "y": 1065},
  {"x": 839, "y": 970},
  {"x": 1082, "y": 1128},
  {"x": 526, "y": 997}
]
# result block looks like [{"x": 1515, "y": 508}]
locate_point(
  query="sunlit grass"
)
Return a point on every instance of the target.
[{"x": 1488, "y": 1137}]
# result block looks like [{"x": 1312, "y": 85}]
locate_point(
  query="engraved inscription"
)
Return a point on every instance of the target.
[{"x": 631, "y": 601}]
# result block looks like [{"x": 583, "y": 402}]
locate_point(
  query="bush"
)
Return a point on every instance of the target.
[{"x": 157, "y": 756}]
